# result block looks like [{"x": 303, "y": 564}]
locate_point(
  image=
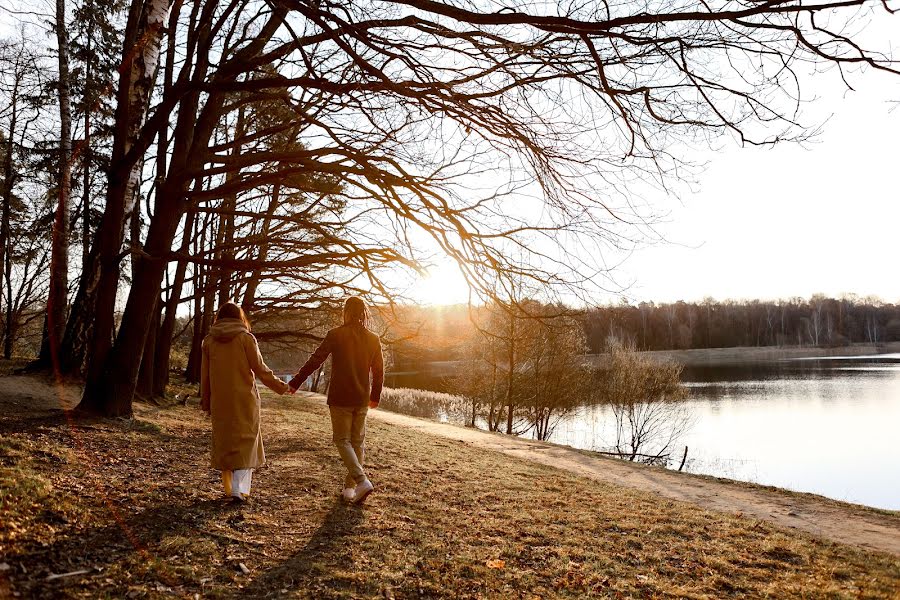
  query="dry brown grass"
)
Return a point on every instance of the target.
[
  {"x": 137, "y": 506},
  {"x": 424, "y": 403}
]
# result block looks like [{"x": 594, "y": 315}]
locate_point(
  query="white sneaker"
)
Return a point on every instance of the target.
[
  {"x": 362, "y": 491},
  {"x": 348, "y": 493}
]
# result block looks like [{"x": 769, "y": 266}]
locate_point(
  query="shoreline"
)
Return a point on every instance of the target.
[{"x": 746, "y": 355}]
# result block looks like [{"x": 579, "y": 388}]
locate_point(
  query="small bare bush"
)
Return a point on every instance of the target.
[{"x": 646, "y": 400}]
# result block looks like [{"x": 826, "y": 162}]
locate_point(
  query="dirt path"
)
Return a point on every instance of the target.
[{"x": 820, "y": 516}]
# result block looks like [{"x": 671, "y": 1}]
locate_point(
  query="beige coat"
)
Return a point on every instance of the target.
[{"x": 228, "y": 391}]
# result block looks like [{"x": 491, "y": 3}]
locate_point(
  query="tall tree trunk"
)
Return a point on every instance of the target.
[
  {"x": 167, "y": 329},
  {"x": 145, "y": 23},
  {"x": 115, "y": 383},
  {"x": 192, "y": 369},
  {"x": 79, "y": 326},
  {"x": 9, "y": 332},
  {"x": 226, "y": 223},
  {"x": 86, "y": 178},
  {"x": 253, "y": 283},
  {"x": 86, "y": 196},
  {"x": 8, "y": 184},
  {"x": 209, "y": 311},
  {"x": 144, "y": 384},
  {"x": 220, "y": 275},
  {"x": 59, "y": 253},
  {"x": 160, "y": 376},
  {"x": 145, "y": 375},
  {"x": 492, "y": 421},
  {"x": 510, "y": 374},
  {"x": 203, "y": 281}
]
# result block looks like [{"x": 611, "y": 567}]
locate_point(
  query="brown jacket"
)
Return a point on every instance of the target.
[
  {"x": 355, "y": 353},
  {"x": 228, "y": 391}
]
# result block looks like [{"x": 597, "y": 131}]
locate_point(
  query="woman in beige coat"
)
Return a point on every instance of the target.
[{"x": 228, "y": 394}]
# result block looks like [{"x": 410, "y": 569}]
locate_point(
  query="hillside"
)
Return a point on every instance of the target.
[{"x": 116, "y": 508}]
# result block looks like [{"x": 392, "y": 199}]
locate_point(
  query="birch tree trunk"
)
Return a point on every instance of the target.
[{"x": 140, "y": 58}]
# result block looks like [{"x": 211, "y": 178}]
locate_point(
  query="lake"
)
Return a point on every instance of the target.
[{"x": 827, "y": 426}]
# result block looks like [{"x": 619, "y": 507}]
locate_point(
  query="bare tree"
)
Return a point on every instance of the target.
[
  {"x": 25, "y": 274},
  {"x": 57, "y": 301},
  {"x": 645, "y": 398},
  {"x": 556, "y": 380},
  {"x": 21, "y": 82}
]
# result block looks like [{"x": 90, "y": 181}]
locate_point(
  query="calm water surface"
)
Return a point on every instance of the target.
[{"x": 827, "y": 426}]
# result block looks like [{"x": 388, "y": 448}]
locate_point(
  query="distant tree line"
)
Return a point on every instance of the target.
[
  {"x": 420, "y": 336},
  {"x": 818, "y": 321}
]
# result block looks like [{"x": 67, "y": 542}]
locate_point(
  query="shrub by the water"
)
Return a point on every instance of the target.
[{"x": 421, "y": 403}]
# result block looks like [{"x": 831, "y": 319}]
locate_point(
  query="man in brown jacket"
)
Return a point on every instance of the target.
[{"x": 355, "y": 354}]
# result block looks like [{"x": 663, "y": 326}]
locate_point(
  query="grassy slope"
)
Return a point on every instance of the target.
[{"x": 137, "y": 505}]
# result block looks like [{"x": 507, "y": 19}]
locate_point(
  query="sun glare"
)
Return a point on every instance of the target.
[{"x": 442, "y": 285}]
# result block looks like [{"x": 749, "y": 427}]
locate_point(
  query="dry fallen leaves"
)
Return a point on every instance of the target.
[{"x": 496, "y": 563}]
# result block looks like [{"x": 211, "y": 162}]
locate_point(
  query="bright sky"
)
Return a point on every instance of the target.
[
  {"x": 792, "y": 220},
  {"x": 778, "y": 222}
]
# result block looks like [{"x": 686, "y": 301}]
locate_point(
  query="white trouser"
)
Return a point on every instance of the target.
[{"x": 240, "y": 481}]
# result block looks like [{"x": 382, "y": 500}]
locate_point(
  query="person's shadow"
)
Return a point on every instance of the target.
[{"x": 338, "y": 525}]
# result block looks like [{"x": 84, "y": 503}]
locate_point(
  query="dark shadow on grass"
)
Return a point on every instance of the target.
[
  {"x": 77, "y": 423},
  {"x": 33, "y": 419},
  {"x": 325, "y": 552},
  {"x": 123, "y": 536}
]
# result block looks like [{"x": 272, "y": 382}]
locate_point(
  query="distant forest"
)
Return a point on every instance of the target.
[
  {"x": 818, "y": 321},
  {"x": 421, "y": 335}
]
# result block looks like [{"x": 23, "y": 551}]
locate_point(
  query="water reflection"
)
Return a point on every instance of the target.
[
  {"x": 822, "y": 426},
  {"x": 826, "y": 426}
]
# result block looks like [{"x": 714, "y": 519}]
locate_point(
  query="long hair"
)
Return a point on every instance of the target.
[
  {"x": 230, "y": 310},
  {"x": 356, "y": 312}
]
